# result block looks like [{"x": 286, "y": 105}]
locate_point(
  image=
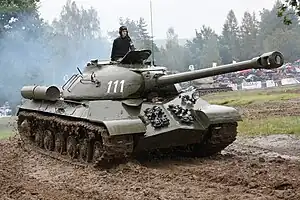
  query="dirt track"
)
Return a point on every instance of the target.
[
  {"x": 251, "y": 168},
  {"x": 238, "y": 174}
]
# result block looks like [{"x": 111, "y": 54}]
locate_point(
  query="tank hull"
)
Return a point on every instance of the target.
[{"x": 102, "y": 132}]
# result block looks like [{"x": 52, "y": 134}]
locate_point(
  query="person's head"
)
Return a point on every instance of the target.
[{"x": 123, "y": 31}]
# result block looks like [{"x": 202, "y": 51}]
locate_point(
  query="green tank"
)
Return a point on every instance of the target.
[{"x": 115, "y": 110}]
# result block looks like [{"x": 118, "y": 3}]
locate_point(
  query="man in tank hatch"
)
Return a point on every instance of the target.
[{"x": 121, "y": 44}]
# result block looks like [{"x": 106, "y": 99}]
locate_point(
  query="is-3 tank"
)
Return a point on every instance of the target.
[
  {"x": 113, "y": 110},
  {"x": 208, "y": 86}
]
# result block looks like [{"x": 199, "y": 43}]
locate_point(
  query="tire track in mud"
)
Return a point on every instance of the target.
[
  {"x": 285, "y": 146},
  {"x": 28, "y": 175}
]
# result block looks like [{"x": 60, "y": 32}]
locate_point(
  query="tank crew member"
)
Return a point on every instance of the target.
[{"x": 121, "y": 44}]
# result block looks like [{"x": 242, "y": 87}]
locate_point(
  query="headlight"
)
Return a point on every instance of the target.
[{"x": 196, "y": 95}]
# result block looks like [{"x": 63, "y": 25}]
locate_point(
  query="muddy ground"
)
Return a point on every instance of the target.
[{"x": 251, "y": 168}]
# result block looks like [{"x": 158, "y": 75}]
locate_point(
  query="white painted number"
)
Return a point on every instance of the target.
[
  {"x": 122, "y": 86},
  {"x": 116, "y": 83}
]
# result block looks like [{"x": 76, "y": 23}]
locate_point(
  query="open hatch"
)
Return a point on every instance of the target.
[{"x": 136, "y": 57}]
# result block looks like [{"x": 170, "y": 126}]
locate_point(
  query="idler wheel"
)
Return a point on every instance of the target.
[
  {"x": 97, "y": 151},
  {"x": 84, "y": 153},
  {"x": 38, "y": 138},
  {"x": 72, "y": 147},
  {"x": 49, "y": 141},
  {"x": 60, "y": 143}
]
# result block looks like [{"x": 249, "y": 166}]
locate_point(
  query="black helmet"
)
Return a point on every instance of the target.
[{"x": 122, "y": 28}]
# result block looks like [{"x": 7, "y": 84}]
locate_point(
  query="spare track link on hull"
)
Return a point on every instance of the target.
[{"x": 78, "y": 142}]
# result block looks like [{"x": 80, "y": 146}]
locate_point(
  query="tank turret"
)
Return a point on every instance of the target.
[
  {"x": 115, "y": 110},
  {"x": 132, "y": 78}
]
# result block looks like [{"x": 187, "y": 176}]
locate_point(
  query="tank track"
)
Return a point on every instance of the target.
[
  {"x": 74, "y": 141},
  {"x": 114, "y": 150},
  {"x": 217, "y": 139}
]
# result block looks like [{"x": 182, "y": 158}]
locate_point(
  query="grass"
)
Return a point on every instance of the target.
[
  {"x": 5, "y": 128},
  {"x": 240, "y": 98},
  {"x": 5, "y": 134},
  {"x": 270, "y": 125}
]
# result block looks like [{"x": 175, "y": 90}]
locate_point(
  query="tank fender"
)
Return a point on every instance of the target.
[
  {"x": 221, "y": 114},
  {"x": 118, "y": 119},
  {"x": 202, "y": 118},
  {"x": 125, "y": 126},
  {"x": 133, "y": 102}
]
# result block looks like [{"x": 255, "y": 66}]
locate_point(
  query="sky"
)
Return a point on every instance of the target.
[{"x": 184, "y": 15}]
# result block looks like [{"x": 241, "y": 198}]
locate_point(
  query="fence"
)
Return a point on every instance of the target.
[{"x": 264, "y": 84}]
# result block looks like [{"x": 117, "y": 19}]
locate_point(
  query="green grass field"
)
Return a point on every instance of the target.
[
  {"x": 269, "y": 124},
  {"x": 6, "y": 129},
  {"x": 240, "y": 98}
]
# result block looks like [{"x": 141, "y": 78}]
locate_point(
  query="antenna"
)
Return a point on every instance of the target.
[{"x": 152, "y": 42}]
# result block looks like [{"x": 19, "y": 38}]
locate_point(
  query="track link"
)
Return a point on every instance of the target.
[
  {"x": 70, "y": 140},
  {"x": 217, "y": 139}
]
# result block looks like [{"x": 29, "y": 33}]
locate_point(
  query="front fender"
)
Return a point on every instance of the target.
[
  {"x": 125, "y": 126},
  {"x": 221, "y": 114}
]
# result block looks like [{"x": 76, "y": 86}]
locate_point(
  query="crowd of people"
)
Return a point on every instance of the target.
[
  {"x": 288, "y": 70},
  {"x": 5, "y": 110}
]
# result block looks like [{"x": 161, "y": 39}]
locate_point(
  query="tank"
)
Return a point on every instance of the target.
[
  {"x": 209, "y": 85},
  {"x": 112, "y": 111}
]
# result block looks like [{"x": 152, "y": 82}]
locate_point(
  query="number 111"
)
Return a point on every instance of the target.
[{"x": 115, "y": 83}]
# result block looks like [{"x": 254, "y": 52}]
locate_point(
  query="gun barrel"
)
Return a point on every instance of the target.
[{"x": 268, "y": 60}]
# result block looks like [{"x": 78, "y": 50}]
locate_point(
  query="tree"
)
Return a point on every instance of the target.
[
  {"x": 275, "y": 35},
  {"x": 288, "y": 42},
  {"x": 204, "y": 48},
  {"x": 20, "y": 25},
  {"x": 173, "y": 54},
  {"x": 210, "y": 52},
  {"x": 13, "y": 11},
  {"x": 269, "y": 20},
  {"x": 143, "y": 34},
  {"x": 289, "y": 10},
  {"x": 77, "y": 37},
  {"x": 195, "y": 47},
  {"x": 230, "y": 40},
  {"x": 249, "y": 32},
  {"x": 77, "y": 23},
  {"x": 209, "y": 47}
]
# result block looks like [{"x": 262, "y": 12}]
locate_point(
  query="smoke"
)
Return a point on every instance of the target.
[{"x": 32, "y": 53}]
